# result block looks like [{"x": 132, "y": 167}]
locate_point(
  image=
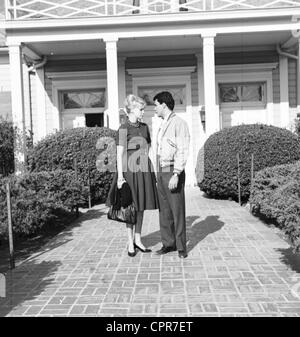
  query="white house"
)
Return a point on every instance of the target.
[{"x": 69, "y": 63}]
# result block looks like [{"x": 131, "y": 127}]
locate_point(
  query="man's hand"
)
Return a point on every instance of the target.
[{"x": 173, "y": 182}]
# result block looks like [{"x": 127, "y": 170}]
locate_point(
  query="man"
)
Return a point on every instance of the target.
[{"x": 172, "y": 151}]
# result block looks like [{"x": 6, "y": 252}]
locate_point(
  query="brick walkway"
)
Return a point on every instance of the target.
[{"x": 236, "y": 267}]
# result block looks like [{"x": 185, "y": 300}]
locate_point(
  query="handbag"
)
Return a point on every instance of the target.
[{"x": 120, "y": 210}]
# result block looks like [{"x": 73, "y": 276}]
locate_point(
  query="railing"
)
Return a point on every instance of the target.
[{"x": 47, "y": 9}]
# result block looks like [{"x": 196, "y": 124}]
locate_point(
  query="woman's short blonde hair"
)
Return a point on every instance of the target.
[{"x": 131, "y": 101}]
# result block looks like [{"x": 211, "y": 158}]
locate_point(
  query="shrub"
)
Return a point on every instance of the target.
[
  {"x": 58, "y": 151},
  {"x": 8, "y": 136},
  {"x": 297, "y": 126},
  {"x": 269, "y": 145},
  {"x": 6, "y": 148},
  {"x": 275, "y": 196},
  {"x": 40, "y": 199}
]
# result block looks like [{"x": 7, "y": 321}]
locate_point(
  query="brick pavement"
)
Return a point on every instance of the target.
[{"x": 236, "y": 266}]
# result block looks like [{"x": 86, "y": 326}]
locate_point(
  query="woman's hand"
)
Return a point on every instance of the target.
[{"x": 120, "y": 182}]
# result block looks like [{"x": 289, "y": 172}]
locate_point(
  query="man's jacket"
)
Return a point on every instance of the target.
[{"x": 173, "y": 148}]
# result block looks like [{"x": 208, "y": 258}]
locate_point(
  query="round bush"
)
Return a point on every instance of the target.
[
  {"x": 269, "y": 145},
  {"x": 93, "y": 149},
  {"x": 275, "y": 196},
  {"x": 40, "y": 199}
]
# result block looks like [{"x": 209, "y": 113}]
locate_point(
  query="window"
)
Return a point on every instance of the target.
[
  {"x": 178, "y": 92},
  {"x": 83, "y": 99},
  {"x": 242, "y": 92}
]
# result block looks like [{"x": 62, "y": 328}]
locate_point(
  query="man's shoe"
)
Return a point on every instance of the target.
[
  {"x": 165, "y": 250},
  {"x": 182, "y": 254}
]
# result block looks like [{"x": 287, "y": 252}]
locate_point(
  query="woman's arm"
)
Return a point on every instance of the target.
[{"x": 120, "y": 151}]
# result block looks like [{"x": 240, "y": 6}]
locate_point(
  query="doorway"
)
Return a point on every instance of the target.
[{"x": 94, "y": 119}]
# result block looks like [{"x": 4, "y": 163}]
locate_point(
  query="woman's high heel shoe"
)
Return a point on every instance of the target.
[
  {"x": 132, "y": 254},
  {"x": 143, "y": 250}
]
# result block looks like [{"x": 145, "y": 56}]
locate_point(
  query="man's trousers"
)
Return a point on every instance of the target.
[{"x": 172, "y": 210}]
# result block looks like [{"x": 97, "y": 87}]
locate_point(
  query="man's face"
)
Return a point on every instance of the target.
[{"x": 159, "y": 109}]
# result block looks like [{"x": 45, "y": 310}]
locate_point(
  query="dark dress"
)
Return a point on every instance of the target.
[{"x": 137, "y": 168}]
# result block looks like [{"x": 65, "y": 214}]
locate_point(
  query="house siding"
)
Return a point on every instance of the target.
[
  {"x": 49, "y": 105},
  {"x": 160, "y": 61},
  {"x": 5, "y": 89},
  {"x": 33, "y": 105},
  {"x": 75, "y": 65},
  {"x": 276, "y": 97},
  {"x": 265, "y": 56},
  {"x": 292, "y": 68}
]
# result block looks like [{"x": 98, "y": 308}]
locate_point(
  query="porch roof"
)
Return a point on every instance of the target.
[{"x": 151, "y": 46}]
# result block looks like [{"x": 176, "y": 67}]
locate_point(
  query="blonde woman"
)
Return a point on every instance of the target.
[{"x": 134, "y": 167}]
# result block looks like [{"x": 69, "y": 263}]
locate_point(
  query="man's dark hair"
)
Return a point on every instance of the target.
[{"x": 165, "y": 97}]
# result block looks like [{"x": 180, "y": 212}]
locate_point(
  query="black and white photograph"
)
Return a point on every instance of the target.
[{"x": 149, "y": 161}]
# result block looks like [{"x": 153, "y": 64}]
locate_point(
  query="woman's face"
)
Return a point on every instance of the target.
[{"x": 138, "y": 111}]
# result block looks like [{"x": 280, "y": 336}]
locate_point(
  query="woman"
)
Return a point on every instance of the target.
[{"x": 134, "y": 167}]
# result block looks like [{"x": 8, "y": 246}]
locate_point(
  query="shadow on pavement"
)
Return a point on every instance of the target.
[
  {"x": 26, "y": 283},
  {"x": 197, "y": 230},
  {"x": 49, "y": 239},
  {"x": 290, "y": 259}
]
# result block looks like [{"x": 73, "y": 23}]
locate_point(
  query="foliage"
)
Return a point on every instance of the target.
[
  {"x": 6, "y": 148},
  {"x": 297, "y": 126},
  {"x": 275, "y": 195},
  {"x": 40, "y": 199},
  {"x": 94, "y": 150},
  {"x": 269, "y": 145},
  {"x": 10, "y": 139}
]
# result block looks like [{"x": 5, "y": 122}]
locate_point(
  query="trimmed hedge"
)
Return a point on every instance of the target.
[
  {"x": 40, "y": 199},
  {"x": 270, "y": 146},
  {"x": 95, "y": 152},
  {"x": 275, "y": 196}
]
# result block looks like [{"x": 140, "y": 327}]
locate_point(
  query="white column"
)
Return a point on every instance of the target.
[
  {"x": 17, "y": 102},
  {"x": 40, "y": 103},
  {"x": 174, "y": 6},
  {"x": 144, "y": 6},
  {"x": 284, "y": 91},
  {"x": 27, "y": 97},
  {"x": 112, "y": 83},
  {"x": 200, "y": 80},
  {"x": 212, "y": 118},
  {"x": 298, "y": 78},
  {"x": 122, "y": 80}
]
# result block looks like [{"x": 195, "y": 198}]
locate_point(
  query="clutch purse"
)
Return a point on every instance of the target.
[
  {"x": 124, "y": 214},
  {"x": 122, "y": 208}
]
